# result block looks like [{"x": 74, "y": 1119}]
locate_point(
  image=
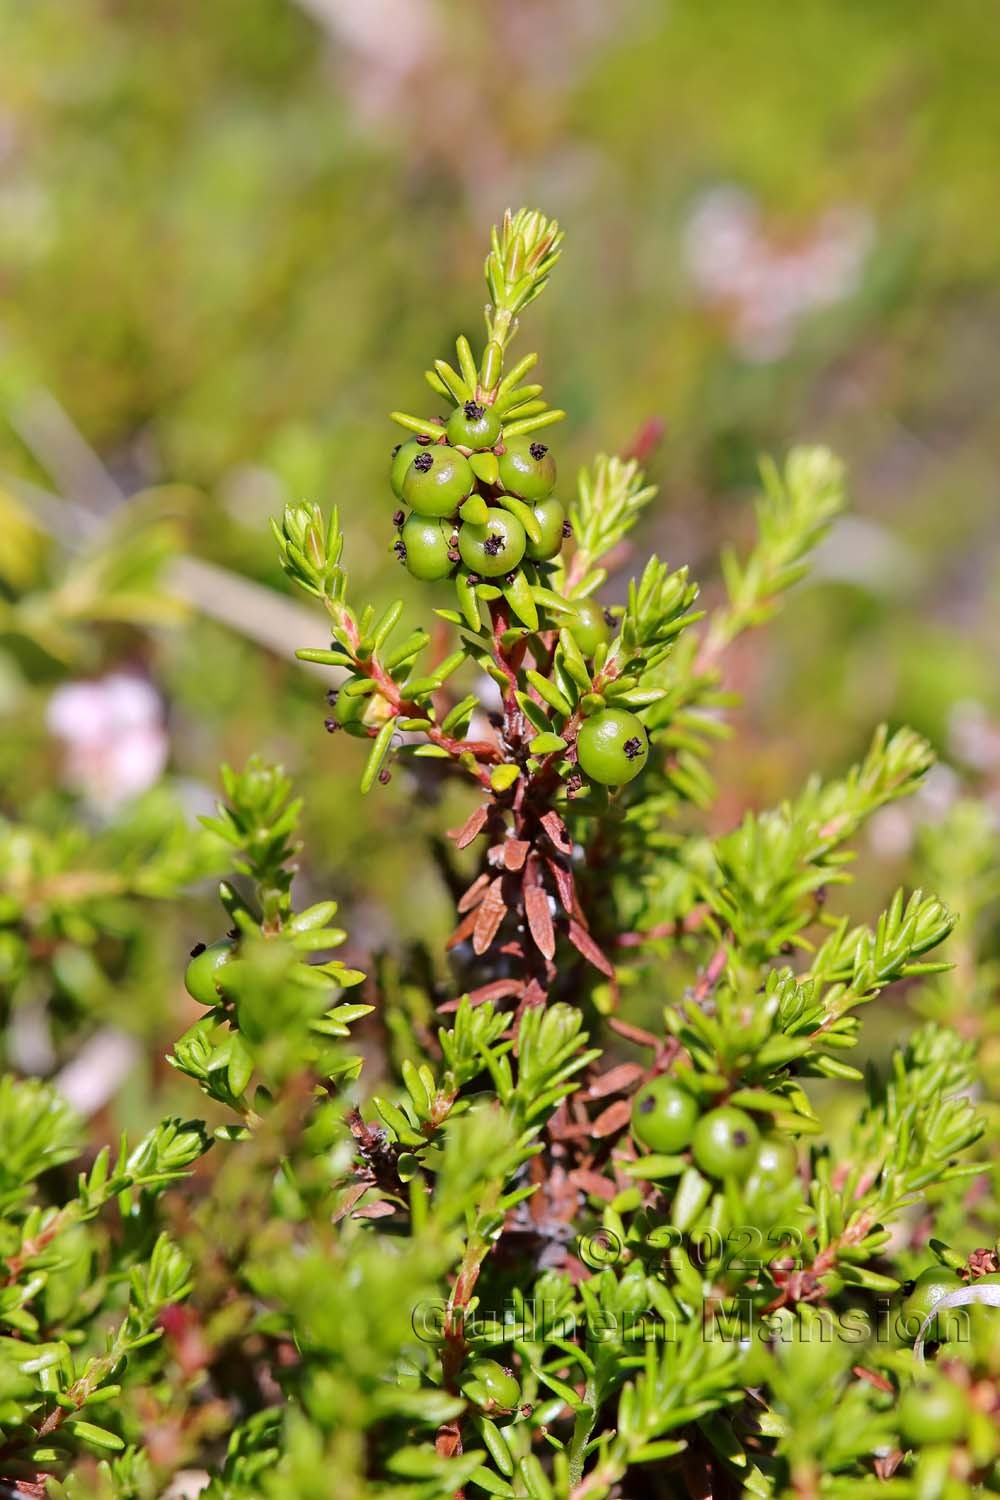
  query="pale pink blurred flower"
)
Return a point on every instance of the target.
[
  {"x": 973, "y": 736},
  {"x": 761, "y": 287},
  {"x": 890, "y": 832},
  {"x": 893, "y": 829},
  {"x": 390, "y": 40},
  {"x": 113, "y": 735},
  {"x": 388, "y": 58},
  {"x": 186, "y": 1484},
  {"x": 861, "y": 551}
]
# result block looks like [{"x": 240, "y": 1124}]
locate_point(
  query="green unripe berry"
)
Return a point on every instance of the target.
[
  {"x": 527, "y": 468},
  {"x": 775, "y": 1171},
  {"x": 664, "y": 1116},
  {"x": 402, "y": 458},
  {"x": 427, "y": 545},
  {"x": 933, "y": 1283},
  {"x": 437, "y": 481},
  {"x": 551, "y": 519},
  {"x": 612, "y": 747},
  {"x": 589, "y": 629},
  {"x": 777, "y": 1159},
  {"x": 360, "y": 712},
  {"x": 725, "y": 1142},
  {"x": 484, "y": 1380},
  {"x": 933, "y": 1413},
  {"x": 348, "y": 710},
  {"x": 473, "y": 425},
  {"x": 755, "y": 1361},
  {"x": 201, "y": 973},
  {"x": 494, "y": 548}
]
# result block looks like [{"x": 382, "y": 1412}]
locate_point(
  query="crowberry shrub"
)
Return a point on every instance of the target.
[{"x": 570, "y": 1216}]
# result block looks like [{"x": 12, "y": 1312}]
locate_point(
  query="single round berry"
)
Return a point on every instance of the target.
[
  {"x": 360, "y": 712},
  {"x": 427, "y": 544},
  {"x": 402, "y": 458},
  {"x": 612, "y": 747},
  {"x": 527, "y": 468},
  {"x": 490, "y": 1382},
  {"x": 550, "y": 517},
  {"x": 348, "y": 710},
  {"x": 437, "y": 481},
  {"x": 725, "y": 1142},
  {"x": 201, "y": 973},
  {"x": 755, "y": 1361},
  {"x": 473, "y": 425},
  {"x": 494, "y": 548},
  {"x": 933, "y": 1283},
  {"x": 664, "y": 1116},
  {"x": 933, "y": 1413},
  {"x": 590, "y": 628},
  {"x": 777, "y": 1160}
]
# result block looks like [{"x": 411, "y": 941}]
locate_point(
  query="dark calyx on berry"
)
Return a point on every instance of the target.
[
  {"x": 474, "y": 425},
  {"x": 527, "y": 469},
  {"x": 437, "y": 481},
  {"x": 611, "y": 746},
  {"x": 494, "y": 549}
]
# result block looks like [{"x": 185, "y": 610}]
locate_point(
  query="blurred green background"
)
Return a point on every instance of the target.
[{"x": 232, "y": 235}]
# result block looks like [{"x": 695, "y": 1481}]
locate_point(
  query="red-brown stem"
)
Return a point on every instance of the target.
[
  {"x": 713, "y": 972},
  {"x": 803, "y": 1286},
  {"x": 480, "y": 750},
  {"x": 449, "y": 1435},
  {"x": 16, "y": 1263}
]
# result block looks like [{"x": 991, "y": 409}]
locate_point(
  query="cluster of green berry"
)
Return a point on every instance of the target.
[
  {"x": 482, "y": 503},
  {"x": 477, "y": 506},
  {"x": 475, "y": 500},
  {"x": 724, "y": 1142}
]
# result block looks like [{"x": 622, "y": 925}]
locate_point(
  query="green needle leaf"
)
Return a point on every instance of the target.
[{"x": 377, "y": 754}]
